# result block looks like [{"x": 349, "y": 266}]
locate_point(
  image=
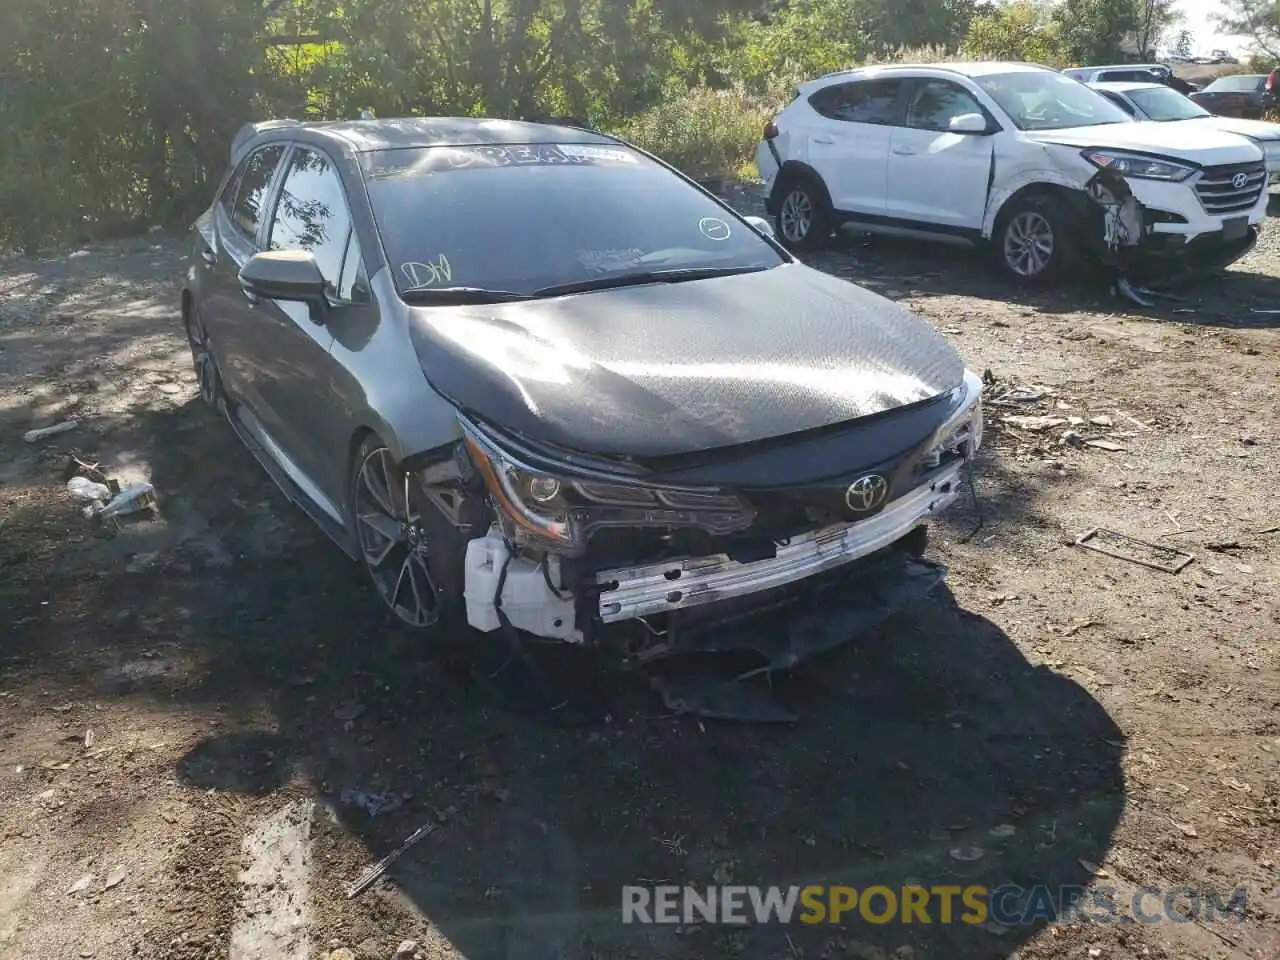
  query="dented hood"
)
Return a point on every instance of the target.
[
  {"x": 1208, "y": 147},
  {"x": 668, "y": 369}
]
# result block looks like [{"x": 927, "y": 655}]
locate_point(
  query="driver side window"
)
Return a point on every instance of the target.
[
  {"x": 312, "y": 215},
  {"x": 935, "y": 103}
]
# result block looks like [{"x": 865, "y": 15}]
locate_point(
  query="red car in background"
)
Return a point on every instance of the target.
[{"x": 1248, "y": 95}]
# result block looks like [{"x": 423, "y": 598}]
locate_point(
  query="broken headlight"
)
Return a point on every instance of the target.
[
  {"x": 1138, "y": 165},
  {"x": 533, "y": 503},
  {"x": 961, "y": 434}
]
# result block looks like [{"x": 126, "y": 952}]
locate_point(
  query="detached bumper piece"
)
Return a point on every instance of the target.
[{"x": 676, "y": 585}]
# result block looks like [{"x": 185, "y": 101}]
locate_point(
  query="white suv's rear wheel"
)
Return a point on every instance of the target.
[{"x": 803, "y": 220}]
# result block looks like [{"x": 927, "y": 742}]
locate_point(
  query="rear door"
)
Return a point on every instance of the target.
[
  {"x": 238, "y": 220},
  {"x": 934, "y": 176},
  {"x": 849, "y": 147}
]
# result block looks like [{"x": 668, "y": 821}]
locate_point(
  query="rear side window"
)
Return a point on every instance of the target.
[
  {"x": 254, "y": 181},
  {"x": 866, "y": 101},
  {"x": 1128, "y": 76},
  {"x": 312, "y": 213}
]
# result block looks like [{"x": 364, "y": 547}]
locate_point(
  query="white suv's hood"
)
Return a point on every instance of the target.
[{"x": 1208, "y": 146}]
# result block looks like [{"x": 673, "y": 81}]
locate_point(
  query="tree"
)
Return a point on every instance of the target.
[
  {"x": 1258, "y": 19},
  {"x": 1094, "y": 31},
  {"x": 1155, "y": 19},
  {"x": 1182, "y": 46},
  {"x": 1022, "y": 30}
]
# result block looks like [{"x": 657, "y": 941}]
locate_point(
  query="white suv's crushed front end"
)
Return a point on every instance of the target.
[{"x": 1159, "y": 210}]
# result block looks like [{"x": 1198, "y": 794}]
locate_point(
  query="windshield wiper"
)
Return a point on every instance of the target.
[
  {"x": 451, "y": 295},
  {"x": 673, "y": 275}
]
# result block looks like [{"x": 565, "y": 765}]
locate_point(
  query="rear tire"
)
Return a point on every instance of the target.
[
  {"x": 803, "y": 221},
  {"x": 1032, "y": 242},
  {"x": 412, "y": 554},
  {"x": 205, "y": 364}
]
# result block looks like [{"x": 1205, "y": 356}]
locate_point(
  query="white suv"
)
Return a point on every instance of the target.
[{"x": 1047, "y": 169}]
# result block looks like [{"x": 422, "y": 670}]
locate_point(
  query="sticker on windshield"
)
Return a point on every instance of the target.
[
  {"x": 588, "y": 152},
  {"x": 394, "y": 164},
  {"x": 609, "y": 261},
  {"x": 714, "y": 229},
  {"x": 421, "y": 273}
]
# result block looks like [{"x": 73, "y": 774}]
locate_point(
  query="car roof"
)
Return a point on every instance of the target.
[
  {"x": 976, "y": 68},
  {"x": 397, "y": 133}
]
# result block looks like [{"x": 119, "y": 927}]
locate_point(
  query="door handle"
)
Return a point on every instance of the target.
[
  {"x": 208, "y": 256},
  {"x": 824, "y": 140},
  {"x": 905, "y": 151}
]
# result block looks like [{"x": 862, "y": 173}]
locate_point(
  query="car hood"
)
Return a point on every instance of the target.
[
  {"x": 668, "y": 369},
  {"x": 1254, "y": 129},
  {"x": 1211, "y": 146}
]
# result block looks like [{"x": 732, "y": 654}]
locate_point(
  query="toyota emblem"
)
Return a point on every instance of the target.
[
  {"x": 1240, "y": 180},
  {"x": 866, "y": 493}
]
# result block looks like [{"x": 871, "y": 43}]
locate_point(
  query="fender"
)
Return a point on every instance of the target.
[
  {"x": 788, "y": 171},
  {"x": 1033, "y": 176}
]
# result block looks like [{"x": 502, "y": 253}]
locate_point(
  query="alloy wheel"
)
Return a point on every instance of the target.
[
  {"x": 796, "y": 217},
  {"x": 392, "y": 545},
  {"x": 202, "y": 361},
  {"x": 1028, "y": 244}
]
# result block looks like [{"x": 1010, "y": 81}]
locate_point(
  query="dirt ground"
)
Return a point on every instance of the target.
[{"x": 187, "y": 703}]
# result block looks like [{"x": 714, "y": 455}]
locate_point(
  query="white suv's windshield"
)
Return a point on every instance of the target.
[
  {"x": 527, "y": 218},
  {"x": 1041, "y": 100},
  {"x": 1161, "y": 103}
]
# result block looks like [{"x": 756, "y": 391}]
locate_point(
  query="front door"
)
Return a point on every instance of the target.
[{"x": 934, "y": 176}]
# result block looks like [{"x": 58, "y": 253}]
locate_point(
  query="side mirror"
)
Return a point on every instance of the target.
[
  {"x": 284, "y": 275},
  {"x": 968, "y": 123},
  {"x": 762, "y": 226}
]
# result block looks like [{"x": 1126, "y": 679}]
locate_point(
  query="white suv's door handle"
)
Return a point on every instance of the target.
[
  {"x": 824, "y": 140},
  {"x": 905, "y": 151}
]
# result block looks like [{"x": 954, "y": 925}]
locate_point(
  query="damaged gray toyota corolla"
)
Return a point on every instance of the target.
[{"x": 537, "y": 381}]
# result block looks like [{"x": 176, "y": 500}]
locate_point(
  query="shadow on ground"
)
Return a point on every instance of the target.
[{"x": 915, "y": 742}]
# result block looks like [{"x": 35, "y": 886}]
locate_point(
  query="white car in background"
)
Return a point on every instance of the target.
[
  {"x": 1035, "y": 163},
  {"x": 1154, "y": 101}
]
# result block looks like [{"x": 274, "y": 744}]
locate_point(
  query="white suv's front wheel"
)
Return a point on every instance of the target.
[
  {"x": 803, "y": 220},
  {"x": 1032, "y": 241}
]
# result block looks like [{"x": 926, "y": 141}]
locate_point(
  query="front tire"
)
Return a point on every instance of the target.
[
  {"x": 803, "y": 221},
  {"x": 411, "y": 553},
  {"x": 1032, "y": 242}
]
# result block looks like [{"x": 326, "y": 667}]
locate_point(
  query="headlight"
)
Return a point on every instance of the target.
[
  {"x": 963, "y": 430},
  {"x": 1136, "y": 165},
  {"x": 532, "y": 502}
]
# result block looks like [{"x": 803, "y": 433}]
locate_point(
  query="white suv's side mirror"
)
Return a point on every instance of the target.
[
  {"x": 968, "y": 123},
  {"x": 761, "y": 225}
]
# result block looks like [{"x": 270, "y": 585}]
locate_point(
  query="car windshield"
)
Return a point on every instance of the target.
[
  {"x": 1161, "y": 103},
  {"x": 1238, "y": 84},
  {"x": 1041, "y": 100},
  {"x": 524, "y": 218}
]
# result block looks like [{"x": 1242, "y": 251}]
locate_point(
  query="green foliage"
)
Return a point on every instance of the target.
[
  {"x": 1017, "y": 31},
  {"x": 706, "y": 133},
  {"x": 118, "y": 113}
]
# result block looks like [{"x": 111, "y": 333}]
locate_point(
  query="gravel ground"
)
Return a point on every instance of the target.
[{"x": 186, "y": 703}]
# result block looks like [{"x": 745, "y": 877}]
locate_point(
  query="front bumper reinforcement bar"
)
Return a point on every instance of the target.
[{"x": 677, "y": 584}]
